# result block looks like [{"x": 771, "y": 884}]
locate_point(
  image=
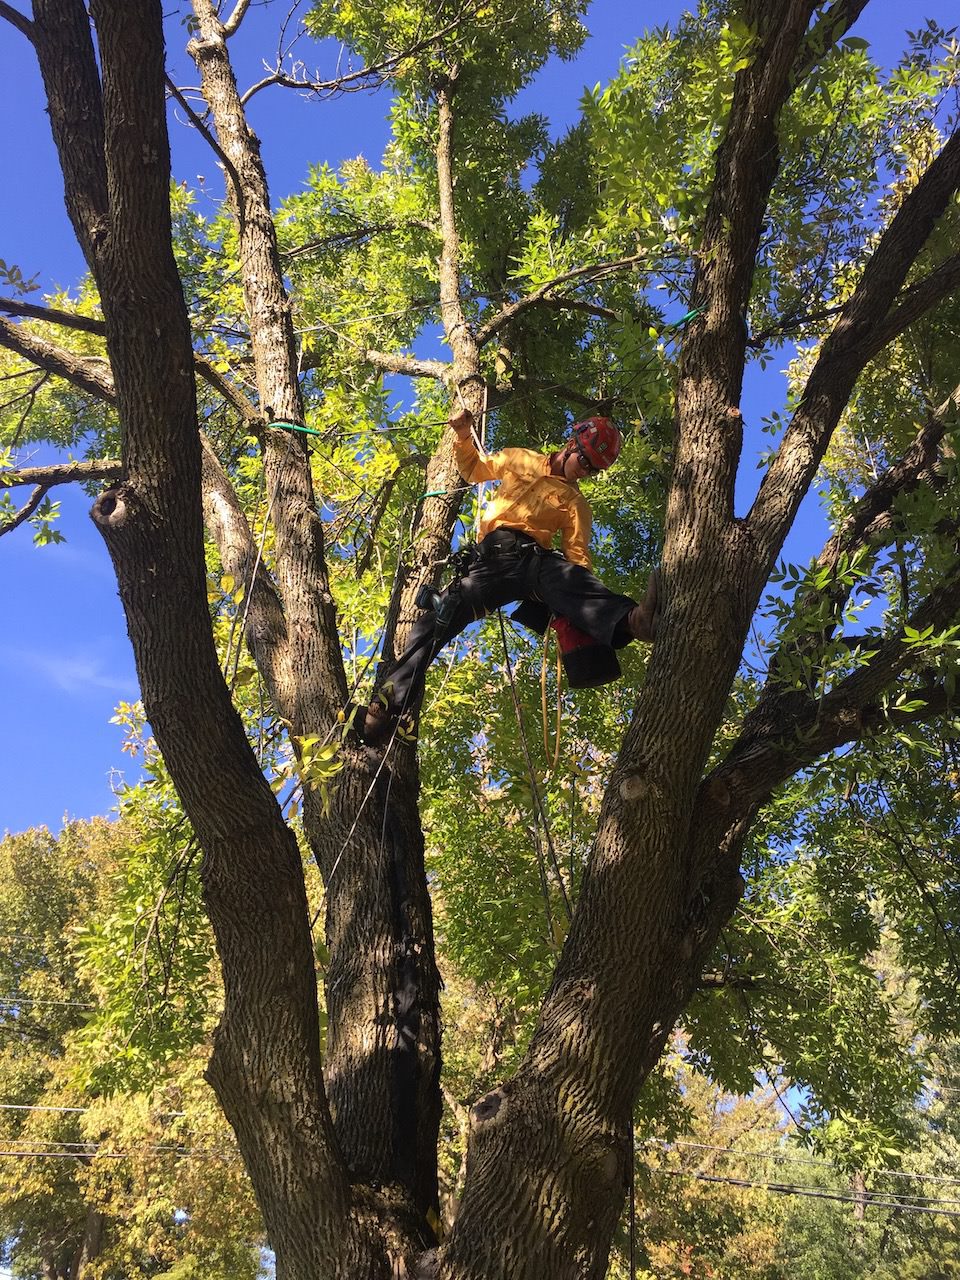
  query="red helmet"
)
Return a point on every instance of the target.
[{"x": 598, "y": 440}]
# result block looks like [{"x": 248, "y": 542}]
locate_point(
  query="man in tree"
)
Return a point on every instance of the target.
[{"x": 538, "y": 498}]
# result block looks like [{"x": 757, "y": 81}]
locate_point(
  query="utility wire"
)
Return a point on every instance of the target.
[
  {"x": 785, "y": 1158},
  {"x": 865, "y": 1198}
]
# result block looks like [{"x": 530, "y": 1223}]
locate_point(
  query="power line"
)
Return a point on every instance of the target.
[
  {"x": 23, "y": 1106},
  {"x": 12, "y": 1001},
  {"x": 784, "y": 1158},
  {"x": 816, "y": 1193}
]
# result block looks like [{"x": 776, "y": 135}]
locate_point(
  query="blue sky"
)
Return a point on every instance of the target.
[{"x": 65, "y": 659}]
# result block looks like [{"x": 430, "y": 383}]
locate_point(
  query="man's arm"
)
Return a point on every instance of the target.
[{"x": 474, "y": 466}]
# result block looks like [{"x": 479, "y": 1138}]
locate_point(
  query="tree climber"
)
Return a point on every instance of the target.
[{"x": 514, "y": 561}]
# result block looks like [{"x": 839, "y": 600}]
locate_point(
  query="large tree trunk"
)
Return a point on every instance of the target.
[{"x": 348, "y": 1186}]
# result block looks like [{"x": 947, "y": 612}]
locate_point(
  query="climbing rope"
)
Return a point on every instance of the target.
[
  {"x": 543, "y": 702},
  {"x": 534, "y": 789}
]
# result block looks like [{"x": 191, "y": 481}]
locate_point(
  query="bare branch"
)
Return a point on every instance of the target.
[
  {"x": 207, "y": 136},
  {"x": 849, "y": 346},
  {"x": 230, "y": 392},
  {"x": 232, "y": 24},
  {"x": 17, "y": 19},
  {"x": 89, "y": 373},
  {"x": 386, "y": 361},
  {"x": 343, "y": 239},
  {"x": 26, "y": 511},
  {"x": 366, "y": 77},
  {"x": 564, "y": 303},
  {"x": 379, "y": 506},
  {"x": 62, "y": 473},
  {"x": 596, "y": 271},
  {"x": 52, "y": 315},
  {"x": 507, "y": 390}
]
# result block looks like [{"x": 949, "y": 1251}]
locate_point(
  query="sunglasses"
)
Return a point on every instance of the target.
[{"x": 585, "y": 462}]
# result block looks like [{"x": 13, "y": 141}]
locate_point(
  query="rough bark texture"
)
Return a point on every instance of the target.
[
  {"x": 382, "y": 1064},
  {"x": 343, "y": 1157}
]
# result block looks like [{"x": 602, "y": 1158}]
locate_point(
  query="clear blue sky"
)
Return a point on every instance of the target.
[{"x": 64, "y": 655}]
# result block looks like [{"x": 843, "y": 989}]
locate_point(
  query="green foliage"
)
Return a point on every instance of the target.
[
  {"x": 149, "y": 958},
  {"x": 137, "y": 1183}
]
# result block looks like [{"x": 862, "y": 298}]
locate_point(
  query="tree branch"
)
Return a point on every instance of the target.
[
  {"x": 52, "y": 315},
  {"x": 344, "y": 239},
  {"x": 789, "y": 730},
  {"x": 265, "y": 626},
  {"x": 565, "y": 303},
  {"x": 831, "y": 27},
  {"x": 207, "y": 136},
  {"x": 232, "y": 24},
  {"x": 26, "y": 511},
  {"x": 84, "y": 371},
  {"x": 17, "y": 19},
  {"x": 89, "y": 373},
  {"x": 367, "y": 77},
  {"x": 845, "y": 352},
  {"x": 62, "y": 37},
  {"x": 901, "y": 476},
  {"x": 710, "y": 376},
  {"x": 388, "y": 362},
  {"x": 917, "y": 300},
  {"x": 513, "y": 309},
  {"x": 230, "y": 392},
  {"x": 62, "y": 473}
]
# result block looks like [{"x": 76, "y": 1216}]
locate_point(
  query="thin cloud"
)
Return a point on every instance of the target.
[{"x": 71, "y": 673}]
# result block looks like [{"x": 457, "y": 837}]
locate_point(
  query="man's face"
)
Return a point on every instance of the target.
[{"x": 576, "y": 465}]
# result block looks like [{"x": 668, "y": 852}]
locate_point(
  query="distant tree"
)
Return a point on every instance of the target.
[
  {"x": 91, "y": 1186},
  {"x": 742, "y": 165}
]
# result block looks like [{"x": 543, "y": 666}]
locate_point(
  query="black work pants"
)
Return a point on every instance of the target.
[{"x": 510, "y": 567}]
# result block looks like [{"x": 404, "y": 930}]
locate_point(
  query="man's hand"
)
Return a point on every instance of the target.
[{"x": 462, "y": 424}]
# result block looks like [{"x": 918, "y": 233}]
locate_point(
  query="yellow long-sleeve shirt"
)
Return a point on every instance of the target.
[{"x": 529, "y": 498}]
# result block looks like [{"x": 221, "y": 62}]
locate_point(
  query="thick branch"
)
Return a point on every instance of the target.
[
  {"x": 62, "y": 38},
  {"x": 87, "y": 372},
  {"x": 300, "y": 555},
  {"x": 16, "y": 19},
  {"x": 852, "y": 342},
  {"x": 62, "y": 473},
  {"x": 916, "y": 301},
  {"x": 540, "y": 295},
  {"x": 232, "y": 24},
  {"x": 265, "y": 627},
  {"x": 712, "y": 359},
  {"x": 52, "y": 315},
  {"x": 90, "y": 373}
]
